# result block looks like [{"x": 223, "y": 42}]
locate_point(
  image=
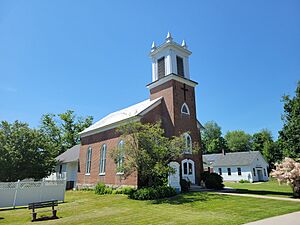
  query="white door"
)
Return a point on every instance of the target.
[{"x": 188, "y": 170}]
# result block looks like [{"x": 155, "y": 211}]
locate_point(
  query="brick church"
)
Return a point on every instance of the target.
[{"x": 171, "y": 101}]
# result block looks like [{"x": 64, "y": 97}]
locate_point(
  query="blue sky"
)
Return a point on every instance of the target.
[{"x": 92, "y": 57}]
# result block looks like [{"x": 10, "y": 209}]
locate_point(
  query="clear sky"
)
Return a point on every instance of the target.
[{"x": 92, "y": 57}]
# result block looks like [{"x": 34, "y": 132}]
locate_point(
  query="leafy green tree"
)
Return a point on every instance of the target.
[
  {"x": 289, "y": 136},
  {"x": 238, "y": 141},
  {"x": 24, "y": 153},
  {"x": 147, "y": 151},
  {"x": 263, "y": 141},
  {"x": 212, "y": 141},
  {"x": 62, "y": 130}
]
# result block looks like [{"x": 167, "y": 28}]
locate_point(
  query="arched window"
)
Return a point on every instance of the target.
[
  {"x": 88, "y": 161},
  {"x": 102, "y": 160},
  {"x": 188, "y": 143},
  {"x": 121, "y": 156},
  {"x": 185, "y": 109}
]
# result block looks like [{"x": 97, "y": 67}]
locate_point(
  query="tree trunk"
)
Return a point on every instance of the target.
[{"x": 296, "y": 188}]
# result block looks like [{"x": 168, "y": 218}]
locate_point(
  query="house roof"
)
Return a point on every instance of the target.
[
  {"x": 229, "y": 159},
  {"x": 71, "y": 155},
  {"x": 115, "y": 118}
]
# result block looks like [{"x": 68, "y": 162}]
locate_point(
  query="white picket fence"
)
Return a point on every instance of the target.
[{"x": 21, "y": 193}]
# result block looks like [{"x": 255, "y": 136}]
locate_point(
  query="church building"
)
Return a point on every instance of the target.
[{"x": 171, "y": 101}]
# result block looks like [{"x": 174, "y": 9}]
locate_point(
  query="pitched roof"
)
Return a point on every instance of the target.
[
  {"x": 116, "y": 117},
  {"x": 230, "y": 159},
  {"x": 70, "y": 155}
]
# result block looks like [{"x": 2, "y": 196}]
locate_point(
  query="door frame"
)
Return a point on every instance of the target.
[{"x": 187, "y": 176}]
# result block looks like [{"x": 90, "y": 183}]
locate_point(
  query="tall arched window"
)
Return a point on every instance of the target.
[
  {"x": 88, "y": 161},
  {"x": 121, "y": 156},
  {"x": 188, "y": 143},
  {"x": 102, "y": 160},
  {"x": 185, "y": 109}
]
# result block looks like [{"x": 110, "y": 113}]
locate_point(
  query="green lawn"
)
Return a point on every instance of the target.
[
  {"x": 270, "y": 188},
  {"x": 84, "y": 207}
]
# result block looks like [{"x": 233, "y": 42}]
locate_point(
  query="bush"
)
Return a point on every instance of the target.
[
  {"x": 214, "y": 181},
  {"x": 124, "y": 190},
  {"x": 185, "y": 185},
  {"x": 244, "y": 181},
  {"x": 150, "y": 193},
  {"x": 101, "y": 189}
]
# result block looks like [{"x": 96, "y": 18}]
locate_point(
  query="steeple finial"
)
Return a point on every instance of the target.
[
  {"x": 169, "y": 37},
  {"x": 153, "y": 46},
  {"x": 183, "y": 44}
]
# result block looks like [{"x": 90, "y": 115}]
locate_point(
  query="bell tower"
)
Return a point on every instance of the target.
[
  {"x": 171, "y": 81},
  {"x": 170, "y": 58}
]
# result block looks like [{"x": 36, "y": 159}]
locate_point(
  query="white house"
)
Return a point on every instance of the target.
[
  {"x": 68, "y": 164},
  {"x": 236, "y": 166}
]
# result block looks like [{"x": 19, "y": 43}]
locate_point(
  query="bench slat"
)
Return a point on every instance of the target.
[{"x": 35, "y": 205}]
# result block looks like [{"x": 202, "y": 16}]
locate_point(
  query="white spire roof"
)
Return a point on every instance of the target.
[{"x": 169, "y": 37}]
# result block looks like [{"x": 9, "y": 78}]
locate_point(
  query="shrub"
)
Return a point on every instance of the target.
[
  {"x": 244, "y": 181},
  {"x": 204, "y": 175},
  {"x": 150, "y": 193},
  {"x": 101, "y": 189},
  {"x": 214, "y": 181},
  {"x": 185, "y": 185},
  {"x": 124, "y": 190}
]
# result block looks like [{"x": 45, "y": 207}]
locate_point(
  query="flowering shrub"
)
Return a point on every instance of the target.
[{"x": 288, "y": 172}]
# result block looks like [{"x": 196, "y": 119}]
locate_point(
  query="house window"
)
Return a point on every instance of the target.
[
  {"x": 239, "y": 171},
  {"x": 180, "y": 70},
  {"x": 120, "y": 160},
  {"x": 188, "y": 143},
  {"x": 161, "y": 67},
  {"x": 208, "y": 169},
  {"x": 185, "y": 109},
  {"x": 190, "y": 168},
  {"x": 102, "y": 160},
  {"x": 88, "y": 161},
  {"x": 254, "y": 172},
  {"x": 78, "y": 167},
  {"x": 265, "y": 172},
  {"x": 229, "y": 171},
  {"x": 220, "y": 171},
  {"x": 185, "y": 172},
  {"x": 60, "y": 168}
]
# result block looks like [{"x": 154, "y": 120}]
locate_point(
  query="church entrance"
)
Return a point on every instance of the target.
[{"x": 188, "y": 170}]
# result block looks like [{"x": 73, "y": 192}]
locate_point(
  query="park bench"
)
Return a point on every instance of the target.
[{"x": 37, "y": 205}]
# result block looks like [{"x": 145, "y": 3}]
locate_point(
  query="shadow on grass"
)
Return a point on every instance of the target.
[
  {"x": 260, "y": 192},
  {"x": 1, "y": 218},
  {"x": 189, "y": 198}
]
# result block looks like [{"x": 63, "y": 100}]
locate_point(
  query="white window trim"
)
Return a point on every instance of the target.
[
  {"x": 88, "y": 159},
  {"x": 182, "y": 112},
  {"x": 101, "y": 155},
  {"x": 190, "y": 151}
]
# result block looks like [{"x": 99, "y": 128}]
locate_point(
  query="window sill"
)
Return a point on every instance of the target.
[
  {"x": 120, "y": 173},
  {"x": 101, "y": 174},
  {"x": 187, "y": 153},
  {"x": 87, "y": 174}
]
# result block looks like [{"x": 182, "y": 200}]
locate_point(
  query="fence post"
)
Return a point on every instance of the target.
[{"x": 16, "y": 192}]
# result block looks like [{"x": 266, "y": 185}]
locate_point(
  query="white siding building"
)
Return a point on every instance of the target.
[
  {"x": 68, "y": 164},
  {"x": 236, "y": 166}
]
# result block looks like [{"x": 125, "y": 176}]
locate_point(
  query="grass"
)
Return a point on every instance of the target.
[
  {"x": 270, "y": 188},
  {"x": 84, "y": 207}
]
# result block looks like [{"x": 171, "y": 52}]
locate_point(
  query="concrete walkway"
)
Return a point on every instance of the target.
[{"x": 287, "y": 219}]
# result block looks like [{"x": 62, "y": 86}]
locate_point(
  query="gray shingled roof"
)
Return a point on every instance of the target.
[
  {"x": 231, "y": 159},
  {"x": 70, "y": 155}
]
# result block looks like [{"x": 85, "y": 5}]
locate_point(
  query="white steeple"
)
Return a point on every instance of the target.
[{"x": 170, "y": 58}]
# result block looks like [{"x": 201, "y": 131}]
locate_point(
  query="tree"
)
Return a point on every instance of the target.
[
  {"x": 62, "y": 131},
  {"x": 211, "y": 138},
  {"x": 289, "y": 136},
  {"x": 147, "y": 151},
  {"x": 238, "y": 141},
  {"x": 263, "y": 141},
  {"x": 288, "y": 172},
  {"x": 24, "y": 153}
]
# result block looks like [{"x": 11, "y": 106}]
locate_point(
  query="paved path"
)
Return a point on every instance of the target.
[{"x": 287, "y": 219}]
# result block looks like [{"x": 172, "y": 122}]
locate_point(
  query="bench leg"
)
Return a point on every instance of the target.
[
  {"x": 54, "y": 213},
  {"x": 34, "y": 216}
]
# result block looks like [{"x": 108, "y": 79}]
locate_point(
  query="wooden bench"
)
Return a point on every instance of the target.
[{"x": 37, "y": 205}]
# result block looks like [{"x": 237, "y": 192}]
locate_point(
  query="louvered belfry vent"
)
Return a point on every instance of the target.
[
  {"x": 161, "y": 67},
  {"x": 180, "y": 70}
]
